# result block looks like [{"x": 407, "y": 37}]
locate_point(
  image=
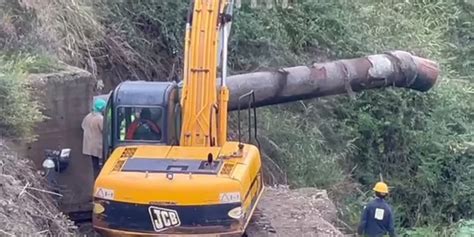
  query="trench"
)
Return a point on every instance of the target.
[{"x": 66, "y": 98}]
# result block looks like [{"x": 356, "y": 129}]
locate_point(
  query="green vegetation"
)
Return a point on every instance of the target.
[
  {"x": 22, "y": 51},
  {"x": 19, "y": 112},
  {"x": 419, "y": 142},
  {"x": 422, "y": 143},
  {"x": 465, "y": 228}
]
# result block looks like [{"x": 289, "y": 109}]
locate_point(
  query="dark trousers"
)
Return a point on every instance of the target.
[{"x": 95, "y": 166}]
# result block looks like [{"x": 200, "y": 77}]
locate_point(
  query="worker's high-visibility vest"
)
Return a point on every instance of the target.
[{"x": 122, "y": 130}]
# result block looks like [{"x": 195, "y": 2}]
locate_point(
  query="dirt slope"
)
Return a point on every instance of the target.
[
  {"x": 25, "y": 208},
  {"x": 297, "y": 212}
]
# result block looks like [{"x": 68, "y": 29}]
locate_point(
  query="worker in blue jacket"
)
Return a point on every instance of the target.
[{"x": 377, "y": 216}]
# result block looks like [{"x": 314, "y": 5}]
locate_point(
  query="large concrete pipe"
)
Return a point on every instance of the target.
[{"x": 397, "y": 68}]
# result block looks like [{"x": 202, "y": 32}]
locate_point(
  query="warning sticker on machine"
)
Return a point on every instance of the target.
[
  {"x": 229, "y": 197},
  {"x": 105, "y": 193}
]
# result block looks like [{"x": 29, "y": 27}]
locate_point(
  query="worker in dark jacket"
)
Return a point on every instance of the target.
[{"x": 377, "y": 216}]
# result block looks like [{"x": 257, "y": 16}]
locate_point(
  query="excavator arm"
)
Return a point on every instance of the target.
[{"x": 204, "y": 107}]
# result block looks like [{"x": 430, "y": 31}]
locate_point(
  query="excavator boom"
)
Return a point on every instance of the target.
[{"x": 200, "y": 99}]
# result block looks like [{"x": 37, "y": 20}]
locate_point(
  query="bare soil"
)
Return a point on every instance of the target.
[
  {"x": 26, "y": 207},
  {"x": 295, "y": 212}
]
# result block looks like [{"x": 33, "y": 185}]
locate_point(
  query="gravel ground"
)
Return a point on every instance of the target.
[{"x": 297, "y": 212}]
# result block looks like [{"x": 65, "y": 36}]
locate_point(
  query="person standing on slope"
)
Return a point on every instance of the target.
[
  {"x": 377, "y": 216},
  {"x": 92, "y": 139}
]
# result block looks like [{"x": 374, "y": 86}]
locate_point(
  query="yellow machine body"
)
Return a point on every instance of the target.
[{"x": 218, "y": 202}]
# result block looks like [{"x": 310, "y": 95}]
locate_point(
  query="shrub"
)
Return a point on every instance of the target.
[{"x": 19, "y": 112}]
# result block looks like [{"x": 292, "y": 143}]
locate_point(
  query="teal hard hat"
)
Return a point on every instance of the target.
[{"x": 99, "y": 105}]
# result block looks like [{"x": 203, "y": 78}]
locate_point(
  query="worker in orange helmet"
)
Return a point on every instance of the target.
[{"x": 377, "y": 216}]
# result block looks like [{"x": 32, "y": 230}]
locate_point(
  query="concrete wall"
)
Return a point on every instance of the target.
[{"x": 66, "y": 97}]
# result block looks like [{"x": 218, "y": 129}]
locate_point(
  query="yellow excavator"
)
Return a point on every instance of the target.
[{"x": 169, "y": 168}]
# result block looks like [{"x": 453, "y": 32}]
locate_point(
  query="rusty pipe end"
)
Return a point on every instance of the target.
[{"x": 428, "y": 73}]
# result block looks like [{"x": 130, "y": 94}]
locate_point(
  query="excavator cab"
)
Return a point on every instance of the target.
[{"x": 141, "y": 112}]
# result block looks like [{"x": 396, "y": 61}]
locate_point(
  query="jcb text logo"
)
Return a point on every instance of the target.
[{"x": 163, "y": 218}]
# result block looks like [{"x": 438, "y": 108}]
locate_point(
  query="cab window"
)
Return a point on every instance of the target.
[{"x": 140, "y": 124}]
